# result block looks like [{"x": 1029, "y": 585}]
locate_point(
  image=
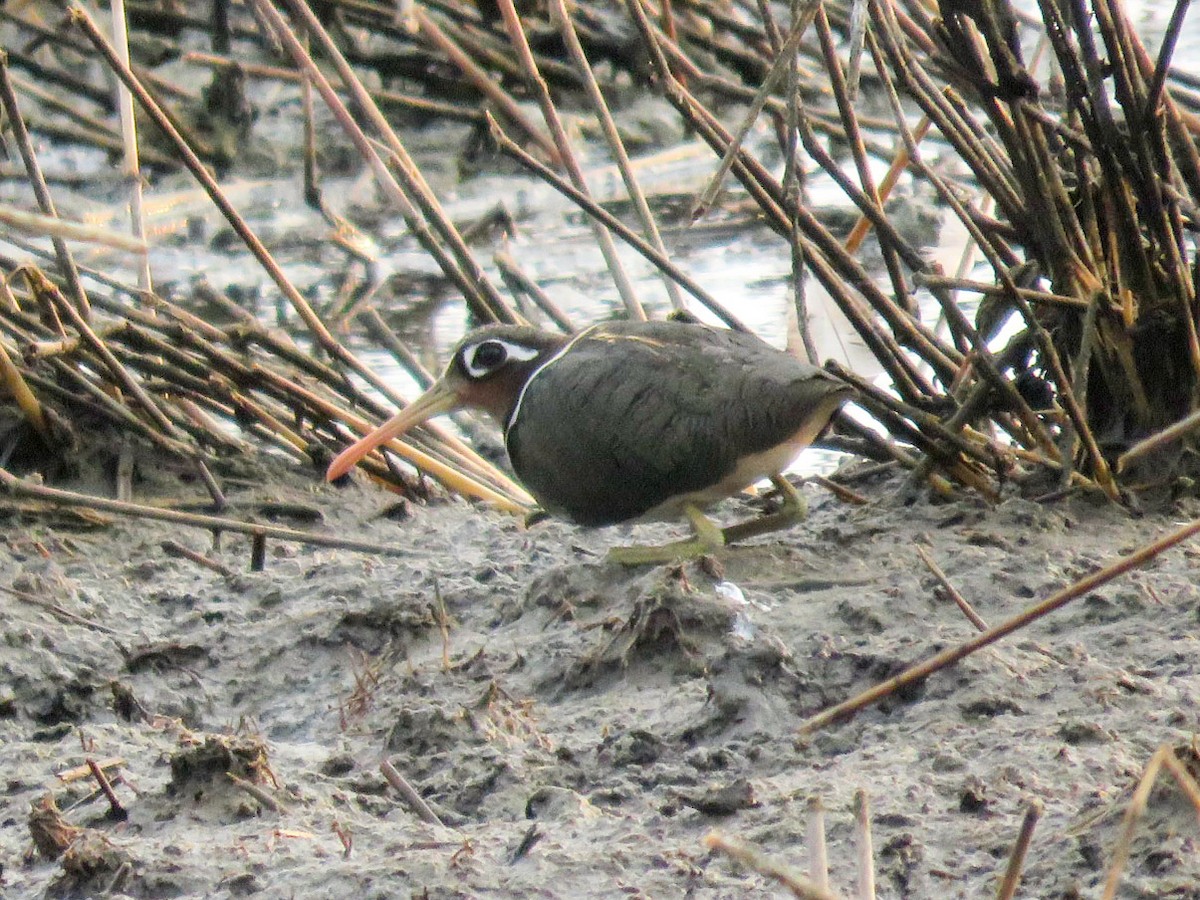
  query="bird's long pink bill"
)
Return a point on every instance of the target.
[{"x": 438, "y": 399}]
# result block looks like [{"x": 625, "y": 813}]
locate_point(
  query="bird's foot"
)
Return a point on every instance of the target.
[
  {"x": 708, "y": 538},
  {"x": 793, "y": 509}
]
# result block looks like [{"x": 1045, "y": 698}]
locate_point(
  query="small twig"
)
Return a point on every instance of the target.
[
  {"x": 64, "y": 614},
  {"x": 443, "y": 622},
  {"x": 345, "y": 837},
  {"x": 1157, "y": 441},
  {"x": 1031, "y": 614},
  {"x": 1016, "y": 860},
  {"x": 1164, "y": 756},
  {"x": 115, "y": 808},
  {"x": 864, "y": 846},
  {"x": 753, "y": 858},
  {"x": 19, "y": 488},
  {"x": 257, "y": 793},
  {"x": 78, "y": 773},
  {"x": 258, "y": 552},
  {"x": 415, "y": 801},
  {"x": 967, "y": 609},
  {"x": 843, "y": 493},
  {"x": 818, "y": 854},
  {"x": 174, "y": 548},
  {"x": 532, "y": 835}
]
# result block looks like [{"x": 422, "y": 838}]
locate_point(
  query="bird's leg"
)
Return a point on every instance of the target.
[
  {"x": 793, "y": 510},
  {"x": 707, "y": 539}
]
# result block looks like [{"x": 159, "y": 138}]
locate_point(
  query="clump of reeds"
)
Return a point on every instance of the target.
[{"x": 1081, "y": 176}]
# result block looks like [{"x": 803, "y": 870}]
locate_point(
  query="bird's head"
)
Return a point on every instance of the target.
[{"x": 488, "y": 370}]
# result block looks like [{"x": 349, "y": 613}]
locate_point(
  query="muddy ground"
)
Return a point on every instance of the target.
[{"x": 578, "y": 727}]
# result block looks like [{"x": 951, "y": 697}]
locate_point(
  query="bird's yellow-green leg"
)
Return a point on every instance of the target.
[
  {"x": 708, "y": 538},
  {"x": 793, "y": 510}
]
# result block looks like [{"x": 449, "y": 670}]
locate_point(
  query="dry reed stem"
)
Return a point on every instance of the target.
[
  {"x": 951, "y": 591},
  {"x": 560, "y": 16},
  {"x": 57, "y": 497},
  {"x": 752, "y": 858},
  {"x": 864, "y": 846},
  {"x": 566, "y": 156},
  {"x": 779, "y": 68},
  {"x": 814, "y": 839},
  {"x": 485, "y": 85},
  {"x": 41, "y": 190},
  {"x": 459, "y": 264},
  {"x": 853, "y": 136},
  {"x": 414, "y": 800},
  {"x": 65, "y": 614},
  {"x": 60, "y": 229},
  {"x": 1031, "y": 614},
  {"x": 510, "y": 148},
  {"x": 1164, "y": 757},
  {"x": 132, "y": 169},
  {"x": 26, "y": 399},
  {"x": 1157, "y": 441},
  {"x": 1016, "y": 860}
]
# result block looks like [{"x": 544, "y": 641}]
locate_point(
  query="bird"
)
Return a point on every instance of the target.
[{"x": 634, "y": 421}]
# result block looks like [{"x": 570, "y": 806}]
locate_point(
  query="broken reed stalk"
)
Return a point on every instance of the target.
[
  {"x": 951, "y": 591},
  {"x": 316, "y": 327},
  {"x": 561, "y": 17},
  {"x": 509, "y": 147},
  {"x": 257, "y": 792},
  {"x": 1016, "y": 860},
  {"x": 864, "y": 845},
  {"x": 814, "y": 840},
  {"x": 216, "y": 524},
  {"x": 566, "y": 156},
  {"x": 1031, "y": 614},
  {"x": 435, "y": 229},
  {"x": 752, "y": 858},
  {"x": 132, "y": 169},
  {"x": 414, "y": 800},
  {"x": 41, "y": 190},
  {"x": 1163, "y": 758},
  {"x": 116, "y": 810}
]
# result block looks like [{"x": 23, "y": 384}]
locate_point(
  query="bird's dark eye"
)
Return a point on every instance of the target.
[{"x": 488, "y": 356}]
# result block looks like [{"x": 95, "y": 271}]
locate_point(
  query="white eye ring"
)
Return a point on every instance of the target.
[{"x": 511, "y": 351}]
